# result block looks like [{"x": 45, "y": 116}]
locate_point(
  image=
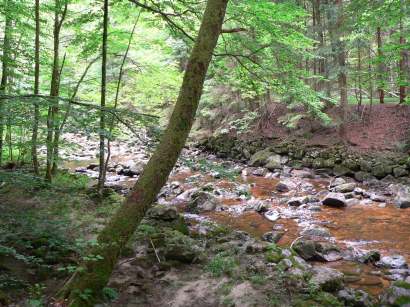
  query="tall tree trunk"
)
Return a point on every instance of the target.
[
  {"x": 56, "y": 137},
  {"x": 321, "y": 38},
  {"x": 341, "y": 60},
  {"x": 101, "y": 176},
  {"x": 123, "y": 224},
  {"x": 5, "y": 71},
  {"x": 381, "y": 65},
  {"x": 54, "y": 88},
  {"x": 403, "y": 75},
  {"x": 359, "y": 72},
  {"x": 36, "y": 89}
]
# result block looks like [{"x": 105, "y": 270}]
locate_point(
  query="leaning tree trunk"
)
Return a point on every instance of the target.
[
  {"x": 36, "y": 90},
  {"x": 94, "y": 275}
]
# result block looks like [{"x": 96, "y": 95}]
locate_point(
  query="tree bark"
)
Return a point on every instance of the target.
[
  {"x": 5, "y": 72},
  {"x": 381, "y": 65},
  {"x": 54, "y": 88},
  {"x": 95, "y": 274},
  {"x": 36, "y": 89},
  {"x": 341, "y": 60},
  {"x": 403, "y": 75},
  {"x": 101, "y": 176}
]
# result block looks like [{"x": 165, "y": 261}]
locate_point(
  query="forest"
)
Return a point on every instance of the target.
[{"x": 205, "y": 153}]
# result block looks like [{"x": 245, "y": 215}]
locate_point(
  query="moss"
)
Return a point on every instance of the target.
[
  {"x": 402, "y": 301},
  {"x": 402, "y": 284}
]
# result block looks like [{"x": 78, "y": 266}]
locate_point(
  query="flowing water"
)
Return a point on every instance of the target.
[{"x": 358, "y": 226}]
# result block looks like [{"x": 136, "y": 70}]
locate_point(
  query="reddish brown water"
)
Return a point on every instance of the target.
[{"x": 389, "y": 226}]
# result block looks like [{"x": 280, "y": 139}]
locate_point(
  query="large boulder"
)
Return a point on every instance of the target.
[
  {"x": 327, "y": 279},
  {"x": 381, "y": 170},
  {"x": 334, "y": 200},
  {"x": 275, "y": 161},
  {"x": 202, "y": 202},
  {"x": 179, "y": 247},
  {"x": 260, "y": 158},
  {"x": 162, "y": 212},
  {"x": 317, "y": 251}
]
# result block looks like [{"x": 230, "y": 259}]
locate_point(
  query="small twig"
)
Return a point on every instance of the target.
[
  {"x": 294, "y": 241},
  {"x": 155, "y": 251}
]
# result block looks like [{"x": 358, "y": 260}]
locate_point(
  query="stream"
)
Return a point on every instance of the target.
[{"x": 258, "y": 201}]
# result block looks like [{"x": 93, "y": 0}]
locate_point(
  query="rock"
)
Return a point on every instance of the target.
[
  {"x": 317, "y": 251},
  {"x": 305, "y": 249},
  {"x": 398, "y": 294},
  {"x": 370, "y": 257},
  {"x": 400, "y": 171},
  {"x": 327, "y": 279},
  {"x": 260, "y": 158},
  {"x": 298, "y": 201},
  {"x": 285, "y": 264},
  {"x": 301, "y": 263},
  {"x": 162, "y": 212},
  {"x": 381, "y": 170},
  {"x": 402, "y": 199},
  {"x": 272, "y": 215},
  {"x": 378, "y": 198},
  {"x": 337, "y": 181},
  {"x": 259, "y": 172},
  {"x": 328, "y": 251},
  {"x": 334, "y": 200},
  {"x": 362, "y": 176},
  {"x": 285, "y": 186},
  {"x": 179, "y": 247},
  {"x": 202, "y": 202},
  {"x": 273, "y": 236},
  {"x": 354, "y": 298},
  {"x": 392, "y": 262},
  {"x": 302, "y": 173},
  {"x": 340, "y": 170},
  {"x": 316, "y": 231},
  {"x": 345, "y": 187},
  {"x": 274, "y": 162}
]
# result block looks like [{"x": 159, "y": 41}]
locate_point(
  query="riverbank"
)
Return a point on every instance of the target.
[{"x": 249, "y": 229}]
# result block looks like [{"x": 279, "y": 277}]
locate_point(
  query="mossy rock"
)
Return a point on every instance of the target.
[
  {"x": 382, "y": 170},
  {"x": 260, "y": 158}
]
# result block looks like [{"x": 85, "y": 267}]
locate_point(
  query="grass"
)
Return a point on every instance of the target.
[{"x": 222, "y": 264}]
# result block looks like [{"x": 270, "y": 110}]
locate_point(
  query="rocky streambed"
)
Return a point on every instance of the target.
[{"x": 336, "y": 223}]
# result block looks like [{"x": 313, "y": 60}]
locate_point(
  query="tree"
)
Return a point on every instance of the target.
[
  {"x": 60, "y": 11},
  {"x": 5, "y": 69},
  {"x": 95, "y": 274},
  {"x": 36, "y": 88},
  {"x": 101, "y": 177}
]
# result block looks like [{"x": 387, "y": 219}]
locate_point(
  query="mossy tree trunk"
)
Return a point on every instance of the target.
[{"x": 94, "y": 275}]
